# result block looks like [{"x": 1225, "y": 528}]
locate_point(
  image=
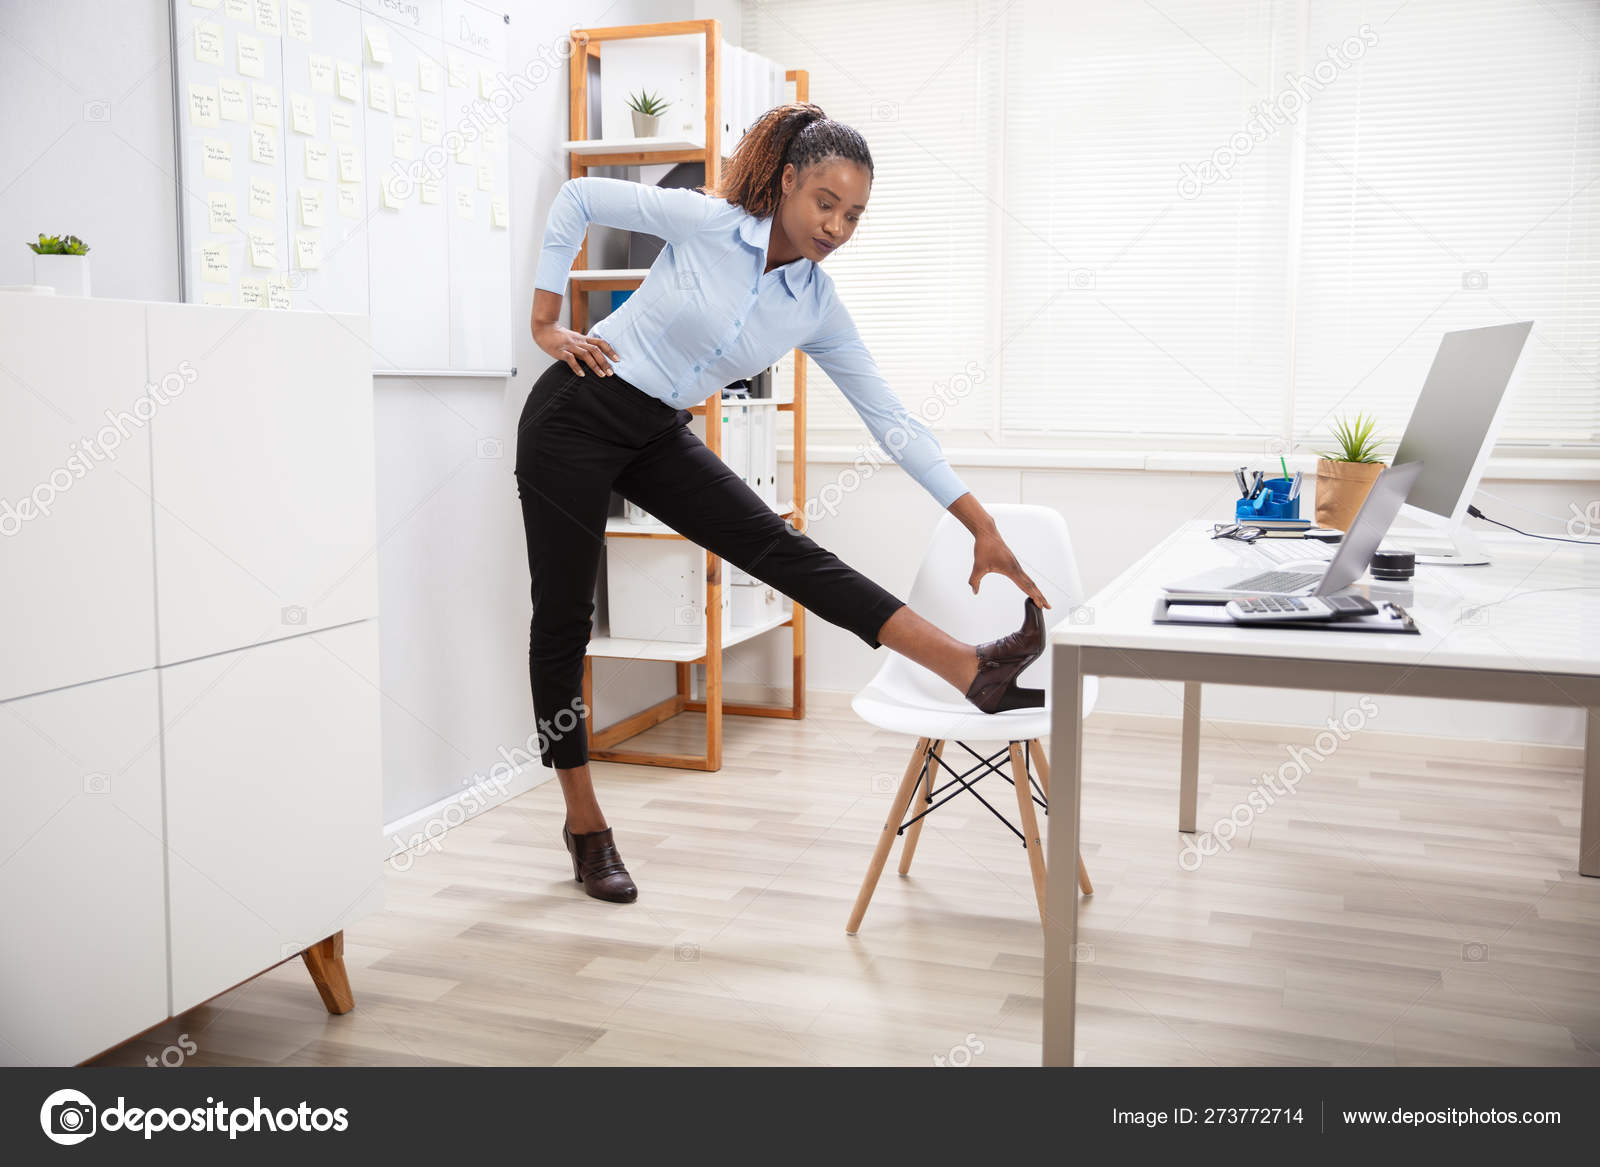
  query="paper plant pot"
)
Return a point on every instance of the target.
[
  {"x": 1341, "y": 489},
  {"x": 67, "y": 274},
  {"x": 645, "y": 125}
]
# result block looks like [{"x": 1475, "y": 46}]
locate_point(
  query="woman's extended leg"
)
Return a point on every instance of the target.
[{"x": 680, "y": 481}]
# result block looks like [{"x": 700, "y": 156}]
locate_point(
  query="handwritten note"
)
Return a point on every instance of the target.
[
  {"x": 339, "y": 123},
  {"x": 267, "y": 17},
  {"x": 430, "y": 189},
  {"x": 252, "y": 56},
  {"x": 307, "y": 252},
  {"x": 316, "y": 160},
  {"x": 349, "y": 80},
  {"x": 499, "y": 214},
  {"x": 203, "y": 105},
  {"x": 378, "y": 44},
  {"x": 430, "y": 128},
  {"x": 378, "y": 95},
  {"x": 349, "y": 201},
  {"x": 220, "y": 214},
  {"x": 230, "y": 95},
  {"x": 263, "y": 200},
  {"x": 427, "y": 75},
  {"x": 214, "y": 263},
  {"x": 263, "y": 249},
  {"x": 405, "y": 140},
  {"x": 263, "y": 144},
  {"x": 278, "y": 295},
  {"x": 299, "y": 13},
  {"x": 303, "y": 113},
  {"x": 349, "y": 164},
  {"x": 265, "y": 108},
  {"x": 464, "y": 201},
  {"x": 320, "y": 70},
  {"x": 252, "y": 293},
  {"x": 310, "y": 207},
  {"x": 216, "y": 158},
  {"x": 208, "y": 42}
]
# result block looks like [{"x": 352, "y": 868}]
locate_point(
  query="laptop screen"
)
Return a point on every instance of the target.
[{"x": 1371, "y": 524}]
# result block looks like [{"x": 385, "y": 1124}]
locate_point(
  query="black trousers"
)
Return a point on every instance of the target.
[{"x": 580, "y": 438}]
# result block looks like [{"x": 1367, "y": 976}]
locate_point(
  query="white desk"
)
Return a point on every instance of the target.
[{"x": 1525, "y": 629}]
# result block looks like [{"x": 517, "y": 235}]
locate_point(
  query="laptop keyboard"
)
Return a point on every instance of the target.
[{"x": 1276, "y": 581}]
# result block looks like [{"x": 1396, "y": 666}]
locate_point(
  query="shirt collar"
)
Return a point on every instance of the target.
[{"x": 758, "y": 233}]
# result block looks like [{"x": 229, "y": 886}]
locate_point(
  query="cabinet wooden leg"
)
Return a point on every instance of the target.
[{"x": 325, "y": 962}]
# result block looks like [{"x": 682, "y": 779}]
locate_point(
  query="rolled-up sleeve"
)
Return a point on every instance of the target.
[
  {"x": 839, "y": 350},
  {"x": 672, "y": 213}
]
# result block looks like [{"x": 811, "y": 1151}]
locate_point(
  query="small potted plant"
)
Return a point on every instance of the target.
[
  {"x": 62, "y": 262},
  {"x": 1345, "y": 475},
  {"x": 647, "y": 109}
]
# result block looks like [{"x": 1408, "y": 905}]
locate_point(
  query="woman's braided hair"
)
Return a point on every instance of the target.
[{"x": 798, "y": 132}]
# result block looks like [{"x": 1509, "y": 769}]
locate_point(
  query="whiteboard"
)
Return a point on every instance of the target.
[{"x": 351, "y": 156}]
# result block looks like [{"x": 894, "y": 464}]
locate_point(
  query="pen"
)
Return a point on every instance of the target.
[
  {"x": 1294, "y": 487},
  {"x": 1255, "y": 485},
  {"x": 1244, "y": 491},
  {"x": 1284, "y": 464}
]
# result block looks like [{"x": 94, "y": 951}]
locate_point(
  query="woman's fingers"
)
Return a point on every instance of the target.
[
  {"x": 605, "y": 344},
  {"x": 1031, "y": 588},
  {"x": 592, "y": 354},
  {"x": 567, "y": 355}
]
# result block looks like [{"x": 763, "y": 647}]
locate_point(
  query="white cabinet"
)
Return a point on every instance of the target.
[
  {"x": 274, "y": 826},
  {"x": 82, "y": 913},
  {"x": 181, "y": 810},
  {"x": 266, "y": 513},
  {"x": 75, "y": 551}
]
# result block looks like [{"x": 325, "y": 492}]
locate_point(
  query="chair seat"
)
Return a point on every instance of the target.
[{"x": 921, "y": 715}]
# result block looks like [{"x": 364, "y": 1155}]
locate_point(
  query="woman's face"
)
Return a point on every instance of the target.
[{"x": 821, "y": 207}]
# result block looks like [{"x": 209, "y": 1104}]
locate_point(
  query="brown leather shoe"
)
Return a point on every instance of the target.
[
  {"x": 995, "y": 688},
  {"x": 597, "y": 865}
]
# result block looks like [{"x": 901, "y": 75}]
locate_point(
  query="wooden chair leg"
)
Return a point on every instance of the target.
[
  {"x": 1042, "y": 765},
  {"x": 891, "y": 825},
  {"x": 325, "y": 962},
  {"x": 1030, "y": 824},
  {"x": 924, "y": 794}
]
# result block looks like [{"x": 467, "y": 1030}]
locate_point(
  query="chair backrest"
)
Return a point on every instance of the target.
[{"x": 1039, "y": 538}]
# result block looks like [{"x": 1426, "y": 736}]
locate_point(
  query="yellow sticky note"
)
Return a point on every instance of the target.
[
  {"x": 464, "y": 201},
  {"x": 319, "y": 68},
  {"x": 457, "y": 65},
  {"x": 405, "y": 100},
  {"x": 252, "y": 56},
  {"x": 220, "y": 213},
  {"x": 485, "y": 176},
  {"x": 208, "y": 42},
  {"x": 216, "y": 298},
  {"x": 310, "y": 207},
  {"x": 405, "y": 140},
  {"x": 339, "y": 123},
  {"x": 252, "y": 293},
  {"x": 231, "y": 100},
  {"x": 349, "y": 80},
  {"x": 486, "y": 83},
  {"x": 216, "y": 158},
  {"x": 491, "y": 136},
  {"x": 430, "y": 190},
  {"x": 378, "y": 44},
  {"x": 265, "y": 108},
  {"x": 316, "y": 160},
  {"x": 204, "y": 3},
  {"x": 430, "y": 128},
  {"x": 263, "y": 249},
  {"x": 391, "y": 195},
  {"x": 214, "y": 263},
  {"x": 465, "y": 153},
  {"x": 378, "y": 96},
  {"x": 263, "y": 200},
  {"x": 278, "y": 294},
  {"x": 236, "y": 9},
  {"x": 349, "y": 164},
  {"x": 349, "y": 201},
  {"x": 302, "y": 113},
  {"x": 263, "y": 144},
  {"x": 203, "y": 105},
  {"x": 427, "y": 75},
  {"x": 299, "y": 13},
  {"x": 499, "y": 213},
  {"x": 307, "y": 252},
  {"x": 267, "y": 17}
]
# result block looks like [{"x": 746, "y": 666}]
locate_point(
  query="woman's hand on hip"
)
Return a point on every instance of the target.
[
  {"x": 990, "y": 553},
  {"x": 566, "y": 345}
]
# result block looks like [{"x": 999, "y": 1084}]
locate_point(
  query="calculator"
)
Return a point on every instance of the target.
[{"x": 1289, "y": 609}]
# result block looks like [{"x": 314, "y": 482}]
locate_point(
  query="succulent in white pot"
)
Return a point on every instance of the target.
[
  {"x": 647, "y": 109},
  {"x": 61, "y": 262}
]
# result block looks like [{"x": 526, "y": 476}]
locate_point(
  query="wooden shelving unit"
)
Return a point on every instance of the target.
[{"x": 584, "y": 153}]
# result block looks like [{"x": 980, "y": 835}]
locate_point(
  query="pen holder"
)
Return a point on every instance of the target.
[{"x": 1272, "y": 503}]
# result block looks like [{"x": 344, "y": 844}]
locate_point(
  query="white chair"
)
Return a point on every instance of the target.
[{"x": 906, "y": 698}]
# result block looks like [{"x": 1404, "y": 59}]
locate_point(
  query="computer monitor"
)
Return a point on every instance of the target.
[{"x": 1451, "y": 432}]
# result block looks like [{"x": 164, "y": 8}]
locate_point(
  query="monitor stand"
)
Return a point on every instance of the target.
[{"x": 1457, "y": 547}]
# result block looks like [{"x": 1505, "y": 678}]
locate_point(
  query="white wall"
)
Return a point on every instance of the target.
[{"x": 453, "y": 567}]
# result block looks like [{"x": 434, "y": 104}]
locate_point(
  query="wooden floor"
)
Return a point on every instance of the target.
[{"x": 1394, "y": 911}]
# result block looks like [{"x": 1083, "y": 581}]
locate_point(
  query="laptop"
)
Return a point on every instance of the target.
[{"x": 1348, "y": 564}]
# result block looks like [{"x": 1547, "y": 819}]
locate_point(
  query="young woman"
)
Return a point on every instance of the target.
[{"x": 736, "y": 286}]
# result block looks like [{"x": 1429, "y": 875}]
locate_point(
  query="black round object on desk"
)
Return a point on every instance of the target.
[{"x": 1393, "y": 564}]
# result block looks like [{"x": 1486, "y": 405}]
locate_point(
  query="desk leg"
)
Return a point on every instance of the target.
[
  {"x": 1589, "y": 823},
  {"x": 1061, "y": 888},
  {"x": 1189, "y": 772}
]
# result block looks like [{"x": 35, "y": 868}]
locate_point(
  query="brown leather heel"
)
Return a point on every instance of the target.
[
  {"x": 597, "y": 865},
  {"x": 995, "y": 688}
]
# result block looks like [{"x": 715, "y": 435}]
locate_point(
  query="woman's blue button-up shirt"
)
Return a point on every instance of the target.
[{"x": 708, "y": 314}]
